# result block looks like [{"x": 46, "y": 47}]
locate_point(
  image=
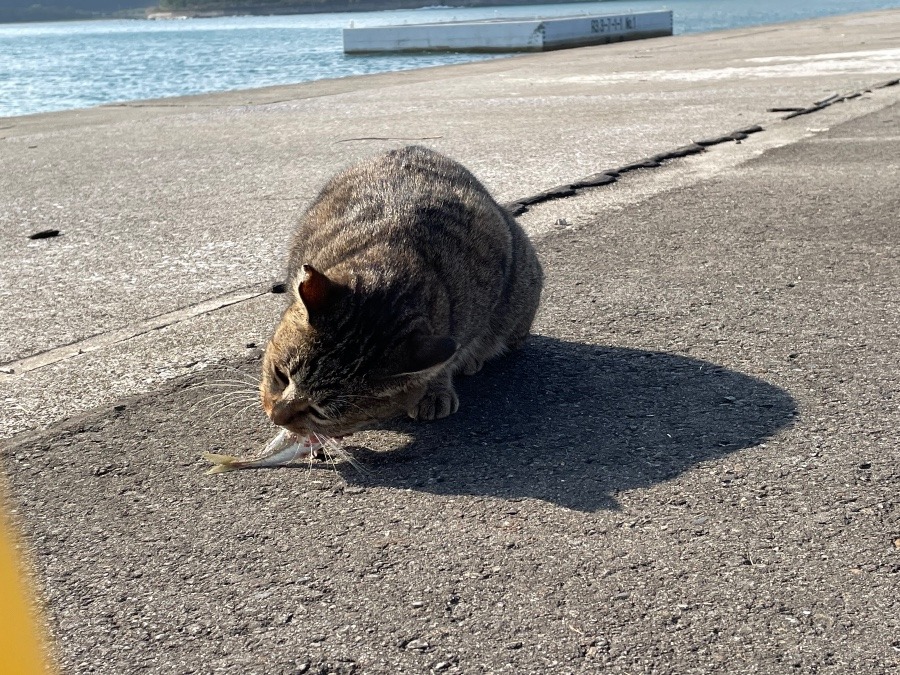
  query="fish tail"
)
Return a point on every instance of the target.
[
  {"x": 221, "y": 468},
  {"x": 222, "y": 463}
]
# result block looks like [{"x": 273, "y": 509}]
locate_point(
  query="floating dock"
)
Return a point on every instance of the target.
[{"x": 508, "y": 35}]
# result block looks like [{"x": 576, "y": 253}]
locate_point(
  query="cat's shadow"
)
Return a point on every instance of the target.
[{"x": 575, "y": 424}]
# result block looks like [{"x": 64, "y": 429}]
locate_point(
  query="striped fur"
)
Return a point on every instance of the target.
[{"x": 403, "y": 272}]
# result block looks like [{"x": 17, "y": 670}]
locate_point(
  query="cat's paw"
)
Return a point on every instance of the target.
[
  {"x": 471, "y": 365},
  {"x": 439, "y": 401}
]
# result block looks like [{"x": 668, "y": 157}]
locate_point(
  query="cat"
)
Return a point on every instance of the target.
[{"x": 403, "y": 272}]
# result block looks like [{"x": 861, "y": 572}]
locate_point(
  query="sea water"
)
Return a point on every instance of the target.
[{"x": 66, "y": 65}]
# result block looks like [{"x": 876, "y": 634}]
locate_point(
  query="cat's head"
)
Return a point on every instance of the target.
[{"x": 343, "y": 358}]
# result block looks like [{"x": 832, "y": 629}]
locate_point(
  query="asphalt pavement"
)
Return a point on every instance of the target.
[{"x": 691, "y": 467}]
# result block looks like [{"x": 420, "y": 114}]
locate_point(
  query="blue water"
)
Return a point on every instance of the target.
[{"x": 60, "y": 66}]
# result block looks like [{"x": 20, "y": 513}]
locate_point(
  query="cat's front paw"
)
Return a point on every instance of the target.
[
  {"x": 440, "y": 400},
  {"x": 471, "y": 365}
]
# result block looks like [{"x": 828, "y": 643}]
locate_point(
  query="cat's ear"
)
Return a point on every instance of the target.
[
  {"x": 317, "y": 291},
  {"x": 427, "y": 352}
]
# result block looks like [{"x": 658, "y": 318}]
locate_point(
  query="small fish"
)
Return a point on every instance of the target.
[{"x": 285, "y": 448}]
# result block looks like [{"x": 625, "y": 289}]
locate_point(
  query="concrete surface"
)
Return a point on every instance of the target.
[{"x": 692, "y": 467}]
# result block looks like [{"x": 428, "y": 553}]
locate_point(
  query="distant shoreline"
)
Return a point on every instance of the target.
[
  {"x": 338, "y": 6},
  {"x": 42, "y": 13}
]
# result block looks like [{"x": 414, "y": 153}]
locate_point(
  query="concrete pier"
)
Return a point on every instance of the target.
[
  {"x": 692, "y": 466},
  {"x": 508, "y": 35}
]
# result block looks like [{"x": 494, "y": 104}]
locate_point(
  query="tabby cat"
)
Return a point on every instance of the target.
[{"x": 403, "y": 272}]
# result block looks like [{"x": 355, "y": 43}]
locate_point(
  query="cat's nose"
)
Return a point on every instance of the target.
[
  {"x": 282, "y": 414},
  {"x": 285, "y": 412}
]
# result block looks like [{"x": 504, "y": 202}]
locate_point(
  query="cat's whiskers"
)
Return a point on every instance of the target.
[
  {"x": 237, "y": 372},
  {"x": 242, "y": 383},
  {"x": 245, "y": 409},
  {"x": 333, "y": 448},
  {"x": 355, "y": 463},
  {"x": 221, "y": 404},
  {"x": 348, "y": 402},
  {"x": 329, "y": 458},
  {"x": 223, "y": 384},
  {"x": 245, "y": 378},
  {"x": 220, "y": 396},
  {"x": 246, "y": 405},
  {"x": 331, "y": 412},
  {"x": 228, "y": 391},
  {"x": 234, "y": 374},
  {"x": 309, "y": 465}
]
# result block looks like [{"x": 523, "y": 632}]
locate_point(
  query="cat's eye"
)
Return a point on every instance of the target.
[
  {"x": 317, "y": 414},
  {"x": 282, "y": 376}
]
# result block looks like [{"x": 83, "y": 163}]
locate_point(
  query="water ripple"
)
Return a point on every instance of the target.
[{"x": 59, "y": 66}]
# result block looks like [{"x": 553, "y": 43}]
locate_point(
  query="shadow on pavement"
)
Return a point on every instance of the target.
[{"x": 574, "y": 424}]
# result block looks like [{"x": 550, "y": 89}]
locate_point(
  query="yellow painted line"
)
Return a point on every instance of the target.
[{"x": 21, "y": 640}]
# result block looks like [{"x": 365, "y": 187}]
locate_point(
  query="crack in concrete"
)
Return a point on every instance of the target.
[
  {"x": 109, "y": 338},
  {"x": 386, "y": 138},
  {"x": 519, "y": 206}
]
